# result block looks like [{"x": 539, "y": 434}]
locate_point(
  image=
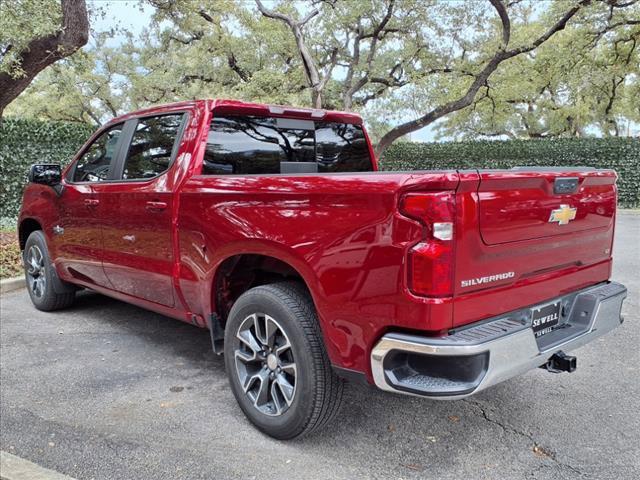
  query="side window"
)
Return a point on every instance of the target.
[
  {"x": 151, "y": 147},
  {"x": 255, "y": 145},
  {"x": 341, "y": 147},
  {"x": 96, "y": 162}
]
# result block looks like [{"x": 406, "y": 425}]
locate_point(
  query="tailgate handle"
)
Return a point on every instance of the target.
[
  {"x": 564, "y": 185},
  {"x": 156, "y": 206}
]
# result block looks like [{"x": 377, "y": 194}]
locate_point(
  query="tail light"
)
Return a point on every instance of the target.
[{"x": 430, "y": 262}]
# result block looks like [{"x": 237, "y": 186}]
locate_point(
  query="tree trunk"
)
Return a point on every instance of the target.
[
  {"x": 309, "y": 64},
  {"x": 42, "y": 52}
]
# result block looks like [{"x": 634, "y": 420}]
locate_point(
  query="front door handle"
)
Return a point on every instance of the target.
[
  {"x": 91, "y": 202},
  {"x": 156, "y": 206}
]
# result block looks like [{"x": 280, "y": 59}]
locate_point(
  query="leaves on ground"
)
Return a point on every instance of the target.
[
  {"x": 542, "y": 452},
  {"x": 10, "y": 258}
]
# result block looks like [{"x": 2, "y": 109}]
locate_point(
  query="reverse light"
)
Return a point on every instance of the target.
[
  {"x": 430, "y": 262},
  {"x": 443, "y": 230}
]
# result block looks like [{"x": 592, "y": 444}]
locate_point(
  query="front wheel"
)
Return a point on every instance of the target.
[
  {"x": 40, "y": 277},
  {"x": 276, "y": 362}
]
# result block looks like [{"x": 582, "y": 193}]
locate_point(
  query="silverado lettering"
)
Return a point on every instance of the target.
[
  {"x": 272, "y": 228},
  {"x": 490, "y": 278}
]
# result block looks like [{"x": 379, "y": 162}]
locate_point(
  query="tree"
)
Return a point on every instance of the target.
[
  {"x": 220, "y": 49},
  {"x": 551, "y": 93},
  {"x": 35, "y": 34},
  {"x": 90, "y": 86},
  {"x": 360, "y": 52},
  {"x": 473, "y": 74},
  {"x": 517, "y": 68},
  {"x": 480, "y": 78},
  {"x": 376, "y": 45},
  {"x": 310, "y": 68}
]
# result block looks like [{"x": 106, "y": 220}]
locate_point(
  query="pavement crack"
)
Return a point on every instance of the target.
[
  {"x": 537, "y": 448},
  {"x": 504, "y": 427}
]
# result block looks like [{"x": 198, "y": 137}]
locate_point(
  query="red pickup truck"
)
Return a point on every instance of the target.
[{"x": 271, "y": 227}]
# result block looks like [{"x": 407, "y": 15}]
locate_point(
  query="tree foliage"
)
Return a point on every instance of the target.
[
  {"x": 589, "y": 79},
  {"x": 90, "y": 87},
  {"x": 518, "y": 68}
]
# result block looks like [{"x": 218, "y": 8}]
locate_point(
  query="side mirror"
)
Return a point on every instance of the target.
[{"x": 45, "y": 174}]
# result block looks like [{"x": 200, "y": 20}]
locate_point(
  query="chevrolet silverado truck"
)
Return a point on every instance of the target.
[{"x": 272, "y": 228}]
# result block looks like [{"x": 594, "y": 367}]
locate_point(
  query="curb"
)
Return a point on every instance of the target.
[
  {"x": 11, "y": 284},
  {"x": 16, "y": 468},
  {"x": 629, "y": 211}
]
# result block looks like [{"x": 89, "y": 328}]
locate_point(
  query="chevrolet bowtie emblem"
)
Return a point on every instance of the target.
[{"x": 563, "y": 215}]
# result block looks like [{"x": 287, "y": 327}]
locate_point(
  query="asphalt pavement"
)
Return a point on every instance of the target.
[{"x": 105, "y": 390}]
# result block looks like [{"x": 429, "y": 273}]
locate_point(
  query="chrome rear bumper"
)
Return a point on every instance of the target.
[{"x": 472, "y": 359}]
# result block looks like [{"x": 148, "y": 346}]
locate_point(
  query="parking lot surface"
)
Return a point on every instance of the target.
[{"x": 105, "y": 390}]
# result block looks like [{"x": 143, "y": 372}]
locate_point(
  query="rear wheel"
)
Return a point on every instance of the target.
[
  {"x": 40, "y": 277},
  {"x": 276, "y": 362}
]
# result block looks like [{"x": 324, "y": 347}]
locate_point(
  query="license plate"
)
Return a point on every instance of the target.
[{"x": 544, "y": 319}]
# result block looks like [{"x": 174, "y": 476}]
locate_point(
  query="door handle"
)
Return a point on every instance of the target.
[
  {"x": 91, "y": 202},
  {"x": 156, "y": 206}
]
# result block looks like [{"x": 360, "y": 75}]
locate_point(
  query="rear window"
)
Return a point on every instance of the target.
[
  {"x": 341, "y": 147},
  {"x": 263, "y": 145}
]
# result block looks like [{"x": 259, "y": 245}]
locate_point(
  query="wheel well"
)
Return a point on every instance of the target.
[
  {"x": 27, "y": 227},
  {"x": 239, "y": 273}
]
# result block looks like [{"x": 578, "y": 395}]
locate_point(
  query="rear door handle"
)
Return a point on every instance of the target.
[
  {"x": 156, "y": 206},
  {"x": 91, "y": 202}
]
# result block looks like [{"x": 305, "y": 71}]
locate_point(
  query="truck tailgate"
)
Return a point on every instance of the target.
[
  {"x": 522, "y": 205},
  {"x": 521, "y": 241}
]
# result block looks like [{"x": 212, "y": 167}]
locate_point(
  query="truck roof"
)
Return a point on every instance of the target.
[{"x": 239, "y": 107}]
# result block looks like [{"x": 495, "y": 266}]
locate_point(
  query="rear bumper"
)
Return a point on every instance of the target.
[{"x": 472, "y": 359}]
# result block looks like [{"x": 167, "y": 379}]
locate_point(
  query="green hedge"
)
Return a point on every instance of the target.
[
  {"x": 620, "y": 154},
  {"x": 24, "y": 142}
]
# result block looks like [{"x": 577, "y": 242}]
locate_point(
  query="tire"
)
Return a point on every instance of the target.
[
  {"x": 303, "y": 392},
  {"x": 41, "y": 277}
]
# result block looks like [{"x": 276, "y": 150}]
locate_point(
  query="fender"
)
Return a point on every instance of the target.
[{"x": 265, "y": 248}]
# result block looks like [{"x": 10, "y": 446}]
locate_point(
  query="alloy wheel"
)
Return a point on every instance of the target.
[
  {"x": 265, "y": 365},
  {"x": 36, "y": 271}
]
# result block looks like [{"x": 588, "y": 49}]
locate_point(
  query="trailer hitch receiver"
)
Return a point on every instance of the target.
[{"x": 561, "y": 362}]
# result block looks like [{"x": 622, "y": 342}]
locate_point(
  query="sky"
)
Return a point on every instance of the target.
[{"x": 129, "y": 15}]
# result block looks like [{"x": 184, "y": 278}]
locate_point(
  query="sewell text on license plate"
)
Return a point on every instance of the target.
[{"x": 544, "y": 319}]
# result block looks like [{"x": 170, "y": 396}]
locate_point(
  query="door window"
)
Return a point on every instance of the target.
[
  {"x": 152, "y": 145},
  {"x": 96, "y": 162}
]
